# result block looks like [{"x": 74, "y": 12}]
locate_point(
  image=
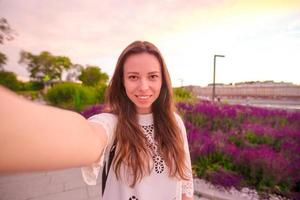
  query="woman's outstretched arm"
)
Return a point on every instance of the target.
[{"x": 37, "y": 137}]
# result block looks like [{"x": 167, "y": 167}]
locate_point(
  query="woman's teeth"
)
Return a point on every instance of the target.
[{"x": 143, "y": 97}]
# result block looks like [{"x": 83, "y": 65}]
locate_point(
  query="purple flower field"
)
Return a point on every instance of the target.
[{"x": 235, "y": 145}]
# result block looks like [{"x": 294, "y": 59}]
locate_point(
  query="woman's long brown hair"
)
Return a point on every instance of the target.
[{"x": 132, "y": 150}]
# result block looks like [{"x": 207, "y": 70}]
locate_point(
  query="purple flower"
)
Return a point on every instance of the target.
[
  {"x": 224, "y": 178},
  {"x": 228, "y": 111},
  {"x": 262, "y": 157},
  {"x": 231, "y": 149},
  {"x": 95, "y": 109}
]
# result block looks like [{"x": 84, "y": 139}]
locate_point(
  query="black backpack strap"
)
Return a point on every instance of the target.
[{"x": 110, "y": 158}]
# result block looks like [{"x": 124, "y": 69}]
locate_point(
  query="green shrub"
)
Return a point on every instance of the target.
[
  {"x": 100, "y": 93},
  {"x": 181, "y": 94},
  {"x": 71, "y": 96},
  {"x": 9, "y": 80},
  {"x": 32, "y": 86}
]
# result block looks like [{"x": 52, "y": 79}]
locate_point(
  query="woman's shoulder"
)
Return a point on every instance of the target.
[
  {"x": 108, "y": 121},
  {"x": 109, "y": 117},
  {"x": 180, "y": 123},
  {"x": 178, "y": 117},
  {"x": 179, "y": 120}
]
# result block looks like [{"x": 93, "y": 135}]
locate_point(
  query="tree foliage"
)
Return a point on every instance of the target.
[
  {"x": 6, "y": 32},
  {"x": 92, "y": 76},
  {"x": 45, "y": 65},
  {"x": 3, "y": 60}
]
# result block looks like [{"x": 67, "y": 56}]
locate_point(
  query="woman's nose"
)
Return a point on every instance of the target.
[{"x": 144, "y": 85}]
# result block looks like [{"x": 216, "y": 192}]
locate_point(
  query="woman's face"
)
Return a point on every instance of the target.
[{"x": 142, "y": 80}]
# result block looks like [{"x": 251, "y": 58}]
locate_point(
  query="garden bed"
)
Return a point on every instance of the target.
[{"x": 244, "y": 146}]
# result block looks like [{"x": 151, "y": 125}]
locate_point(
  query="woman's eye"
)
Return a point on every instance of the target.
[
  {"x": 154, "y": 76},
  {"x": 132, "y": 77}
]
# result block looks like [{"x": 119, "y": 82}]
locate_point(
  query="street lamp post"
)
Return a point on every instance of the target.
[
  {"x": 181, "y": 81},
  {"x": 214, "y": 78}
]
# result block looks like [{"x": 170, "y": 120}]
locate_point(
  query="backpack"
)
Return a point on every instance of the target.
[{"x": 104, "y": 172}]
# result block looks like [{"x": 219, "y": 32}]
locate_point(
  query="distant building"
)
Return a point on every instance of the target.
[{"x": 266, "y": 89}]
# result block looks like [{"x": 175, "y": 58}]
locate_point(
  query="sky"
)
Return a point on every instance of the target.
[{"x": 259, "y": 38}]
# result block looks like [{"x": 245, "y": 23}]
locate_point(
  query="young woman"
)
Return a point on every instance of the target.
[{"x": 151, "y": 158}]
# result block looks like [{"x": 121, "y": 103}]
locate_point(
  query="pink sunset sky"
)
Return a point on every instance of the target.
[{"x": 260, "y": 38}]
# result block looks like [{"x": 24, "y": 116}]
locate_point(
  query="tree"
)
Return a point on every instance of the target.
[
  {"x": 3, "y": 60},
  {"x": 92, "y": 76},
  {"x": 45, "y": 66},
  {"x": 6, "y": 33}
]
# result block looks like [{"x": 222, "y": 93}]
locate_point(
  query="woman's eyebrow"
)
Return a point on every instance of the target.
[
  {"x": 154, "y": 72},
  {"x": 132, "y": 73}
]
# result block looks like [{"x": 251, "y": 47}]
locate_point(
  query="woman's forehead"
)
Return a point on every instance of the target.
[{"x": 142, "y": 62}]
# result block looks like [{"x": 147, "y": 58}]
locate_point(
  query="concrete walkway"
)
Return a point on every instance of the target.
[
  {"x": 68, "y": 184},
  {"x": 50, "y": 185},
  {"x": 207, "y": 192}
]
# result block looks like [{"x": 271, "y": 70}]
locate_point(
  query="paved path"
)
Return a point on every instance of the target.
[
  {"x": 206, "y": 191},
  {"x": 268, "y": 103},
  {"x": 50, "y": 185},
  {"x": 68, "y": 184}
]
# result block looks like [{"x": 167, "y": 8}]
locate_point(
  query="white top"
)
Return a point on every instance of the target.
[{"x": 158, "y": 185}]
